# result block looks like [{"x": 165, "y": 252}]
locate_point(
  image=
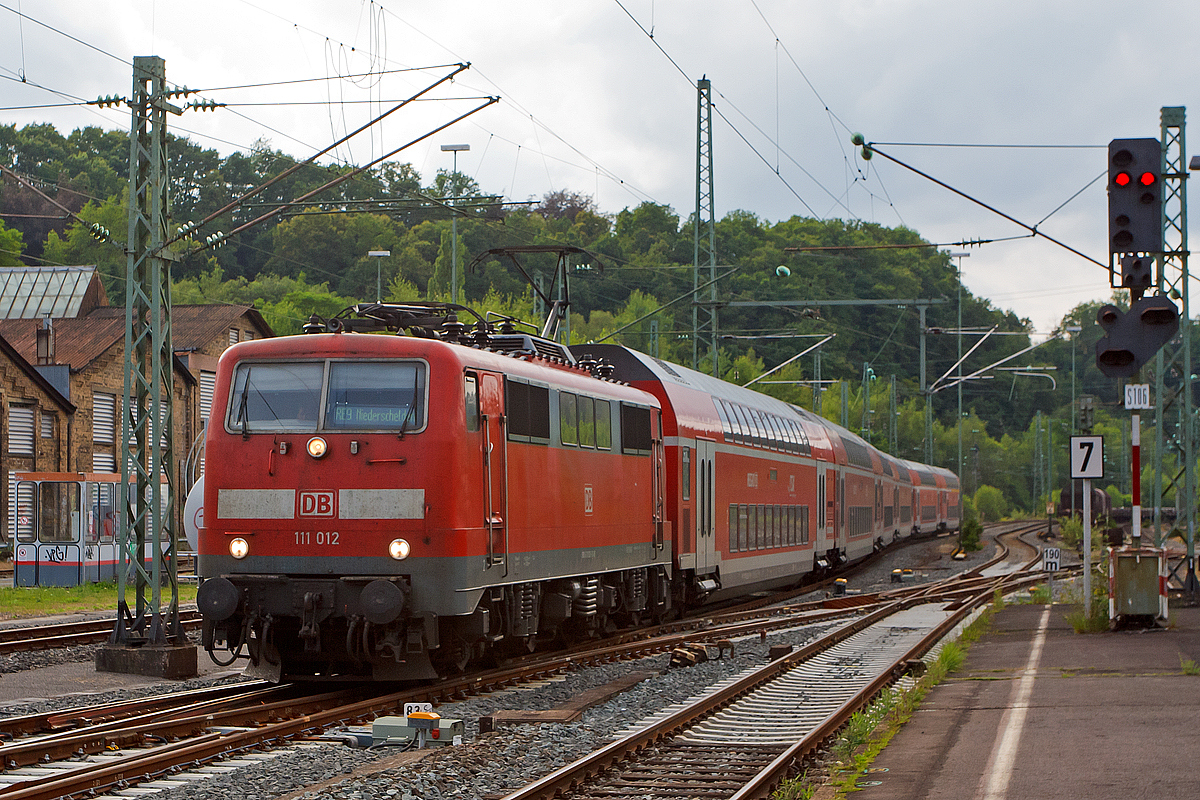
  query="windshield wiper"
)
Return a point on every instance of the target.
[
  {"x": 404, "y": 425},
  {"x": 243, "y": 416}
]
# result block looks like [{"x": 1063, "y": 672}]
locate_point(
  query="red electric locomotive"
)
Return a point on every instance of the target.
[
  {"x": 390, "y": 507},
  {"x": 387, "y": 506}
]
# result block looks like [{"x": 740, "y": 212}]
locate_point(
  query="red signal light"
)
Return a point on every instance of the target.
[
  {"x": 1122, "y": 179},
  {"x": 1147, "y": 179}
]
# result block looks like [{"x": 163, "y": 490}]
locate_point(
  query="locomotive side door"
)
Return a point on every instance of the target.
[
  {"x": 495, "y": 469},
  {"x": 706, "y": 506}
]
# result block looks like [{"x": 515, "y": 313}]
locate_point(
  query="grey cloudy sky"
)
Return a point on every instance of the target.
[{"x": 591, "y": 103}]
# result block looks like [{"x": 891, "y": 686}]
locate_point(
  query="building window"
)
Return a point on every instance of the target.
[
  {"x": 208, "y": 382},
  {"x": 233, "y": 336},
  {"x": 47, "y": 426},
  {"x": 20, "y": 430}
]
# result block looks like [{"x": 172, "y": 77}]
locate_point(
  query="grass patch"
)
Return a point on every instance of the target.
[
  {"x": 1040, "y": 595},
  {"x": 1189, "y": 666},
  {"x": 1098, "y": 621},
  {"x": 39, "y": 601}
]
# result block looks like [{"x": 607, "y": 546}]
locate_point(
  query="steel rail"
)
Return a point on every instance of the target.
[
  {"x": 589, "y": 768},
  {"x": 68, "y": 634}
]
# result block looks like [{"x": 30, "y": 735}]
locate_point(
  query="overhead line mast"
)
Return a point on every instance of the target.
[{"x": 704, "y": 312}]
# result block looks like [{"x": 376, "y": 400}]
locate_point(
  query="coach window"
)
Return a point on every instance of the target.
[
  {"x": 733, "y": 527},
  {"x": 685, "y": 457},
  {"x": 603, "y": 425},
  {"x": 743, "y": 526},
  {"x": 756, "y": 423},
  {"x": 726, "y": 425},
  {"x": 743, "y": 435},
  {"x": 568, "y": 419},
  {"x": 471, "y": 396}
]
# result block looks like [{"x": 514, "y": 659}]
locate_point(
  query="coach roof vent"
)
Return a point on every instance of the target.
[{"x": 524, "y": 343}]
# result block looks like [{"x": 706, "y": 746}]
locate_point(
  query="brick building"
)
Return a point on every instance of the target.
[{"x": 63, "y": 375}]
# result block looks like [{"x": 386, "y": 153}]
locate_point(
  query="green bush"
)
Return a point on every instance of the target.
[
  {"x": 968, "y": 538},
  {"x": 1071, "y": 532},
  {"x": 991, "y": 504}
]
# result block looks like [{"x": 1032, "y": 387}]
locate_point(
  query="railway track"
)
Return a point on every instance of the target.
[
  {"x": 98, "y": 748},
  {"x": 70, "y": 634},
  {"x": 742, "y": 740}
]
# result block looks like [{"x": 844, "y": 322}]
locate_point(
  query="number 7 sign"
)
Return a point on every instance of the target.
[{"x": 1087, "y": 457}]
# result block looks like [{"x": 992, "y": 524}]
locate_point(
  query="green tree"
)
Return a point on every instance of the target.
[{"x": 11, "y": 246}]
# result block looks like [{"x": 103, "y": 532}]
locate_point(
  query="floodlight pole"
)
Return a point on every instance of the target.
[{"x": 456, "y": 149}]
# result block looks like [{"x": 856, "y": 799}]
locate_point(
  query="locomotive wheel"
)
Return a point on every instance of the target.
[{"x": 452, "y": 657}]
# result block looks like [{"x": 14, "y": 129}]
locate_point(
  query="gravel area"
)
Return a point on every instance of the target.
[{"x": 493, "y": 764}]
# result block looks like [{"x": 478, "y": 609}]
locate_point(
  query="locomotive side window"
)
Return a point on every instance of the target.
[
  {"x": 471, "y": 399},
  {"x": 603, "y": 425},
  {"x": 587, "y": 422},
  {"x": 568, "y": 418},
  {"x": 271, "y": 397},
  {"x": 636, "y": 436},
  {"x": 528, "y": 409},
  {"x": 376, "y": 395}
]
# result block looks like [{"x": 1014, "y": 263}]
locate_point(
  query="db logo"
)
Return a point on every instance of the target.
[
  {"x": 316, "y": 504},
  {"x": 587, "y": 498}
]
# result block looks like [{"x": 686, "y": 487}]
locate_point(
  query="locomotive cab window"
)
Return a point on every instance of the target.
[
  {"x": 471, "y": 401},
  {"x": 276, "y": 397},
  {"x": 376, "y": 395},
  {"x": 361, "y": 395}
]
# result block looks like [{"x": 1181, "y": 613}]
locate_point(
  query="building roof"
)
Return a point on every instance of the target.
[
  {"x": 7, "y": 350},
  {"x": 79, "y": 342},
  {"x": 57, "y": 292}
]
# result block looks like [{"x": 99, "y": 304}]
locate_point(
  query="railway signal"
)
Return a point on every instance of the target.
[
  {"x": 1132, "y": 338},
  {"x": 1135, "y": 199}
]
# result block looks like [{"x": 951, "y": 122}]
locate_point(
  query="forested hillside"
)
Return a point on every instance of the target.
[{"x": 313, "y": 258}]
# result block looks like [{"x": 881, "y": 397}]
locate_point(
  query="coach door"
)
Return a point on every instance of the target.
[
  {"x": 706, "y": 507},
  {"x": 49, "y": 551},
  {"x": 495, "y": 469}
]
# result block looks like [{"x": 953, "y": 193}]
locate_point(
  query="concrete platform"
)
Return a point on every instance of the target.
[
  {"x": 1039, "y": 711},
  {"x": 81, "y": 679}
]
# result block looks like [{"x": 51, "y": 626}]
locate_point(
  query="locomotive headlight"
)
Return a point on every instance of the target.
[
  {"x": 317, "y": 447},
  {"x": 239, "y": 548},
  {"x": 399, "y": 549}
]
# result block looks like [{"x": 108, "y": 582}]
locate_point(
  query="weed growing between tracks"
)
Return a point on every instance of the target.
[{"x": 871, "y": 729}]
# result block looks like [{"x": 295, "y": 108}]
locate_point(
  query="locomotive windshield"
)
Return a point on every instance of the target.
[{"x": 338, "y": 395}]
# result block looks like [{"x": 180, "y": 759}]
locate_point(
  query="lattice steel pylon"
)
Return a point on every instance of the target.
[
  {"x": 147, "y": 449},
  {"x": 1176, "y": 357},
  {"x": 704, "y": 312}
]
